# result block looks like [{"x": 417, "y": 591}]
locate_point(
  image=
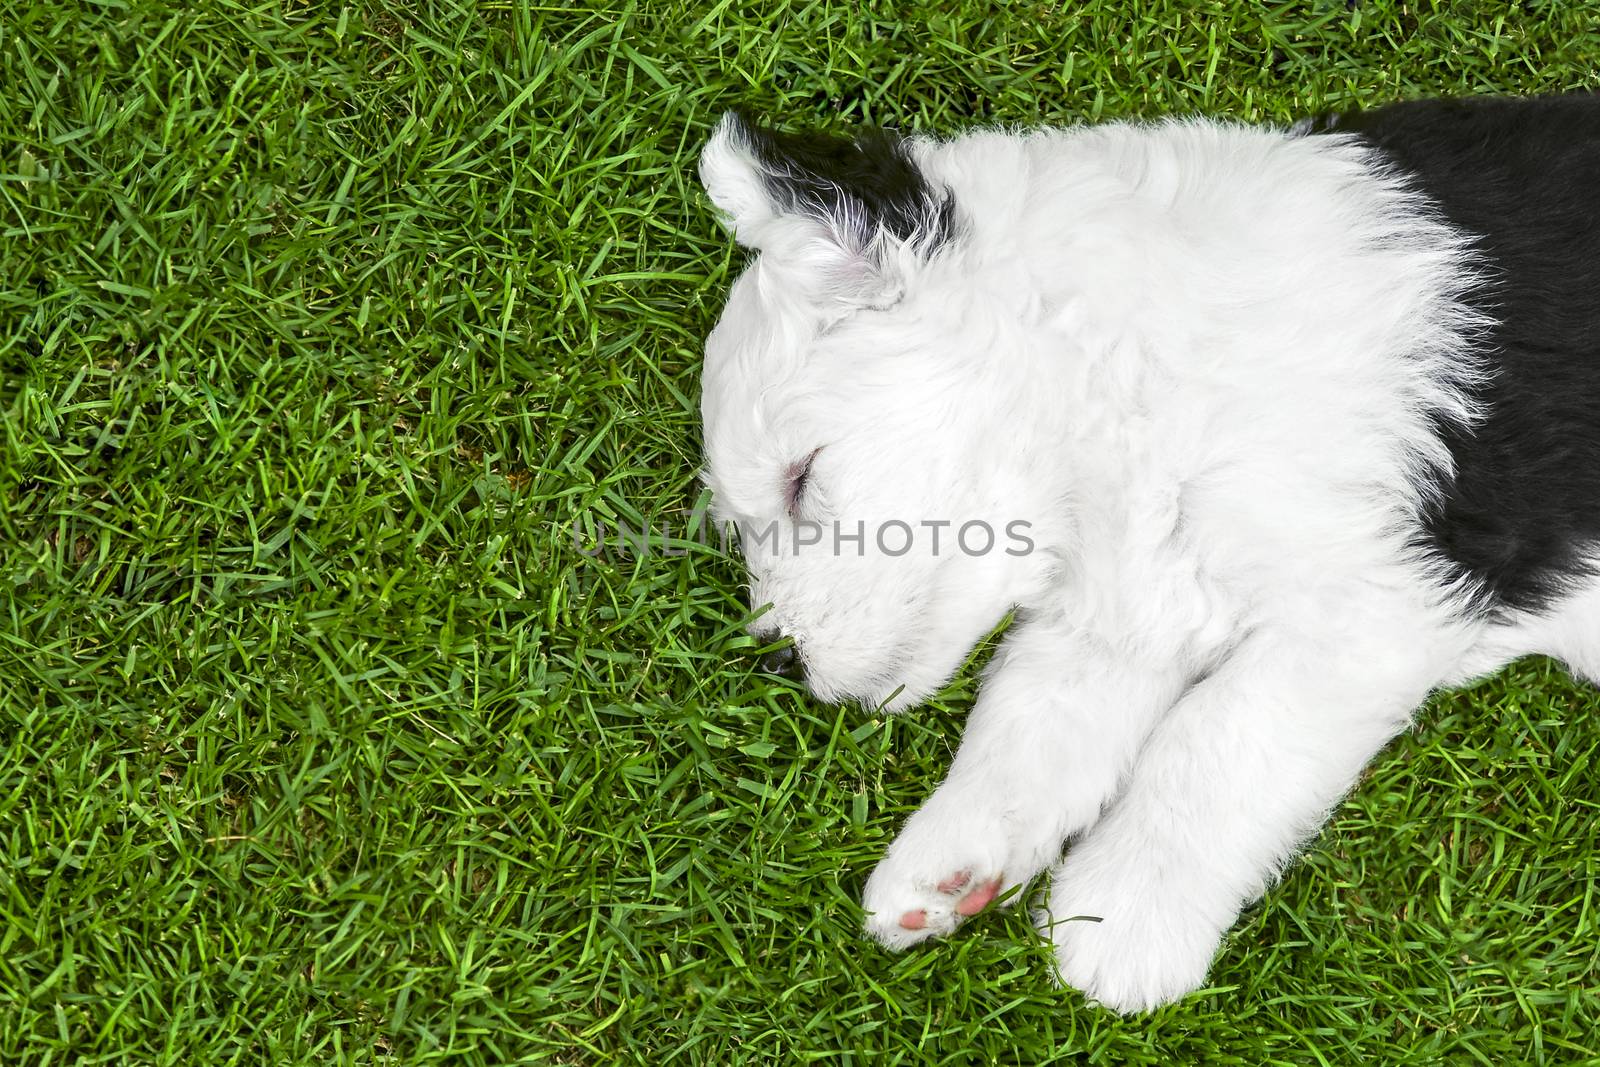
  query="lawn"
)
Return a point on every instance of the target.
[{"x": 322, "y": 740}]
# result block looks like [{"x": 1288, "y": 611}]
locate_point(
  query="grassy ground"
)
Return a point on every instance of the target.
[{"x": 321, "y": 742}]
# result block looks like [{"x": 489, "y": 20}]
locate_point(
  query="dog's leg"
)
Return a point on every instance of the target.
[
  {"x": 1241, "y": 771},
  {"x": 1055, "y": 729},
  {"x": 1570, "y": 631}
]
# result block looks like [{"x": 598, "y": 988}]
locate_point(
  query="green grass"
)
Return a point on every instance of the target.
[{"x": 321, "y": 742}]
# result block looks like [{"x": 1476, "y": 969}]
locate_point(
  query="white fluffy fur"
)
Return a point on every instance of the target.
[{"x": 1205, "y": 363}]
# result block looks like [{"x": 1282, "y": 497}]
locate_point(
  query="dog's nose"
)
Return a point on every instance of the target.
[{"x": 784, "y": 661}]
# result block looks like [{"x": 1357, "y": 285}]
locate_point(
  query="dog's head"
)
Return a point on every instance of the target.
[{"x": 861, "y": 405}]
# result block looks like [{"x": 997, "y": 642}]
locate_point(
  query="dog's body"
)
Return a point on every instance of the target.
[{"x": 1301, "y": 425}]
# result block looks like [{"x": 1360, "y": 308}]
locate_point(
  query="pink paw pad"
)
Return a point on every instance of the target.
[
  {"x": 979, "y": 898},
  {"x": 974, "y": 901}
]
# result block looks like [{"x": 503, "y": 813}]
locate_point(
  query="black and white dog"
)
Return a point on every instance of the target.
[{"x": 1262, "y": 434}]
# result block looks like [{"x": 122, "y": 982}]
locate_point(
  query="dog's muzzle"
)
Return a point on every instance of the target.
[{"x": 783, "y": 661}]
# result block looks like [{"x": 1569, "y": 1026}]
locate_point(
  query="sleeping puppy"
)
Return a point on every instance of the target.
[{"x": 1259, "y": 434}]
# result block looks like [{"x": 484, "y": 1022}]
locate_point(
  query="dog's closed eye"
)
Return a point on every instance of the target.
[{"x": 796, "y": 476}]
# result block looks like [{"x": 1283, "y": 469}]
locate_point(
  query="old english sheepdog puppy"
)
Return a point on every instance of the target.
[{"x": 1262, "y": 434}]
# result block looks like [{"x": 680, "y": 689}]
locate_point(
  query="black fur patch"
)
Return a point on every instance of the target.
[
  {"x": 868, "y": 181},
  {"x": 1523, "y": 176}
]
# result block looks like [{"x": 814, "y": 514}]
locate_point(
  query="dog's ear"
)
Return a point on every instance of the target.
[{"x": 837, "y": 204}]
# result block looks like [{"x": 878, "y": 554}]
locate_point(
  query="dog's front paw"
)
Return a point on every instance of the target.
[
  {"x": 952, "y": 859},
  {"x": 1133, "y": 939},
  {"x": 904, "y": 908}
]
